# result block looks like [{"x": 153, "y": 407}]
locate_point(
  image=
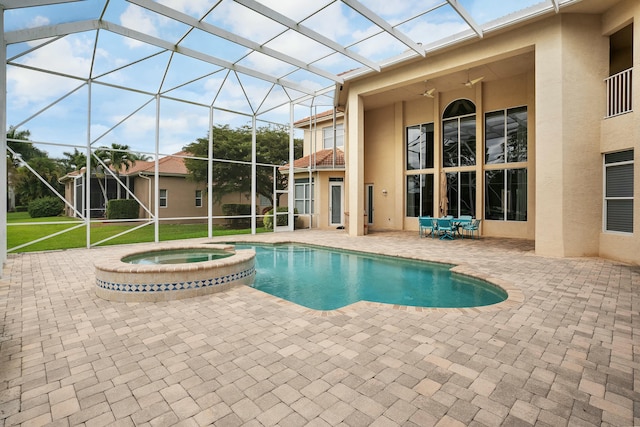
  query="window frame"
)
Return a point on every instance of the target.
[
  {"x": 426, "y": 146},
  {"x": 307, "y": 201},
  {"x": 198, "y": 198},
  {"x": 505, "y": 197},
  {"x": 327, "y": 136},
  {"x": 505, "y": 136},
  {"x": 606, "y": 198},
  {"x": 165, "y": 197}
]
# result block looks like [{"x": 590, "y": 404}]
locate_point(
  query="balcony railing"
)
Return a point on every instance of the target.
[{"x": 619, "y": 99}]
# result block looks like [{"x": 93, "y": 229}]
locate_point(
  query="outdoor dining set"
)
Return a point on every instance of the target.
[{"x": 449, "y": 227}]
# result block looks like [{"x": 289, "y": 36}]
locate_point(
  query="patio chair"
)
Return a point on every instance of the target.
[
  {"x": 445, "y": 228},
  {"x": 426, "y": 226},
  {"x": 460, "y": 222},
  {"x": 472, "y": 228}
]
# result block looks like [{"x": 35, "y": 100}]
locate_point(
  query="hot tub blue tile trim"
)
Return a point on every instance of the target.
[{"x": 177, "y": 286}]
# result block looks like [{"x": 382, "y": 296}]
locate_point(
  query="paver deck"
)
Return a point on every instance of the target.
[{"x": 566, "y": 353}]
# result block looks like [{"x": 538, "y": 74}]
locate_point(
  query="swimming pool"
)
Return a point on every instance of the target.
[
  {"x": 323, "y": 279},
  {"x": 177, "y": 256}
]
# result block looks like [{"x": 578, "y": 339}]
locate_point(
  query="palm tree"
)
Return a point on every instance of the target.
[
  {"x": 117, "y": 157},
  {"x": 74, "y": 161}
]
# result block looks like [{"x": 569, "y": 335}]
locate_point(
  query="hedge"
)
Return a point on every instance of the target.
[
  {"x": 122, "y": 209},
  {"x": 45, "y": 206},
  {"x": 282, "y": 219},
  {"x": 238, "y": 209}
]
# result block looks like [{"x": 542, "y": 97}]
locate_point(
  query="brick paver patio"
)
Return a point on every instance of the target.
[{"x": 568, "y": 354}]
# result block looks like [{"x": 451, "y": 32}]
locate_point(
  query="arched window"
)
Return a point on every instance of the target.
[
  {"x": 459, "y": 134},
  {"x": 459, "y": 152}
]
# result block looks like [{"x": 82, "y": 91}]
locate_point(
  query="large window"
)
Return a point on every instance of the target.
[
  {"x": 618, "y": 197},
  {"x": 506, "y": 194},
  {"x": 303, "y": 195},
  {"x": 420, "y": 195},
  {"x": 327, "y": 136},
  {"x": 459, "y": 134},
  {"x": 461, "y": 193},
  {"x": 420, "y": 146},
  {"x": 506, "y": 136},
  {"x": 419, "y": 150}
]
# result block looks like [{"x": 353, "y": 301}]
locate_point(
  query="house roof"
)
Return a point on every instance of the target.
[
  {"x": 168, "y": 165},
  {"x": 320, "y": 117},
  {"x": 318, "y": 160}
]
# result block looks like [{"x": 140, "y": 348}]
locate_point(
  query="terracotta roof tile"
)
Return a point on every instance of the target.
[
  {"x": 320, "y": 117},
  {"x": 319, "y": 159}
]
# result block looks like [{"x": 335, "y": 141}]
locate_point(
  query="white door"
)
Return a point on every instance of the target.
[{"x": 335, "y": 203}]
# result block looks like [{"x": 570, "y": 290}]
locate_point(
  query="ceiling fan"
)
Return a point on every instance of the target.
[
  {"x": 429, "y": 93},
  {"x": 470, "y": 83}
]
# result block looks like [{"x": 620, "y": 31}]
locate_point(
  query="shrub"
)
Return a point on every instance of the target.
[
  {"x": 45, "y": 206},
  {"x": 282, "y": 219},
  {"x": 237, "y": 209},
  {"x": 122, "y": 209}
]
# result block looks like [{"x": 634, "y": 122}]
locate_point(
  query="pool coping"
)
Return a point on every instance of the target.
[
  {"x": 120, "y": 281},
  {"x": 515, "y": 296}
]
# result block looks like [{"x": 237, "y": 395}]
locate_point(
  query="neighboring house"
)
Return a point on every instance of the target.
[
  {"x": 319, "y": 174},
  {"x": 180, "y": 199},
  {"x": 530, "y": 128}
]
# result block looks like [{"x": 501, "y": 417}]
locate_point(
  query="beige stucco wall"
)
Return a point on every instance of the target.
[
  {"x": 623, "y": 133},
  {"x": 181, "y": 199},
  {"x": 180, "y": 196},
  {"x": 320, "y": 218},
  {"x": 571, "y": 64},
  {"x": 566, "y": 101},
  {"x": 313, "y": 138}
]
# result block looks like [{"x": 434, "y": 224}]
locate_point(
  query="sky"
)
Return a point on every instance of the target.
[{"x": 61, "y": 108}]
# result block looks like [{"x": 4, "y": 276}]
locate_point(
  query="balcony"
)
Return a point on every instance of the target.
[{"x": 619, "y": 96}]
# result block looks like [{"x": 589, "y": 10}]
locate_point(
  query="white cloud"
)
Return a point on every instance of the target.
[
  {"x": 191, "y": 7},
  {"x": 138, "y": 19},
  {"x": 70, "y": 55},
  {"x": 39, "y": 21}
]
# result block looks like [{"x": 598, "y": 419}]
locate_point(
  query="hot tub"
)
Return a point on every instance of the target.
[{"x": 212, "y": 268}]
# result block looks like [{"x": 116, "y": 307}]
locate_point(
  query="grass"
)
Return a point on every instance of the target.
[{"x": 76, "y": 238}]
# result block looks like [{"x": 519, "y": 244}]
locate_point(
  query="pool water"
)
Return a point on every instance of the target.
[
  {"x": 177, "y": 256},
  {"x": 322, "y": 279}
]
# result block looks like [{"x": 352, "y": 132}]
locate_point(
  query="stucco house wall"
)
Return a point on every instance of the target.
[{"x": 566, "y": 61}]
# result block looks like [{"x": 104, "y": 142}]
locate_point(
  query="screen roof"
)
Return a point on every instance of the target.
[{"x": 251, "y": 57}]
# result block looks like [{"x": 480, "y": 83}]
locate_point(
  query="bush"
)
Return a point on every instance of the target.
[
  {"x": 282, "y": 219},
  {"x": 237, "y": 209},
  {"x": 122, "y": 209},
  {"x": 45, "y": 206},
  {"x": 22, "y": 208}
]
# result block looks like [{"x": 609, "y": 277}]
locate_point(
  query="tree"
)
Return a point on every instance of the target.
[
  {"x": 117, "y": 157},
  {"x": 73, "y": 161},
  {"x": 272, "y": 147},
  {"x": 21, "y": 144},
  {"x": 29, "y": 187},
  {"x": 23, "y": 185}
]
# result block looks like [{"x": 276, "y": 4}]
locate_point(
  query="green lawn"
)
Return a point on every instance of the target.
[{"x": 20, "y": 234}]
